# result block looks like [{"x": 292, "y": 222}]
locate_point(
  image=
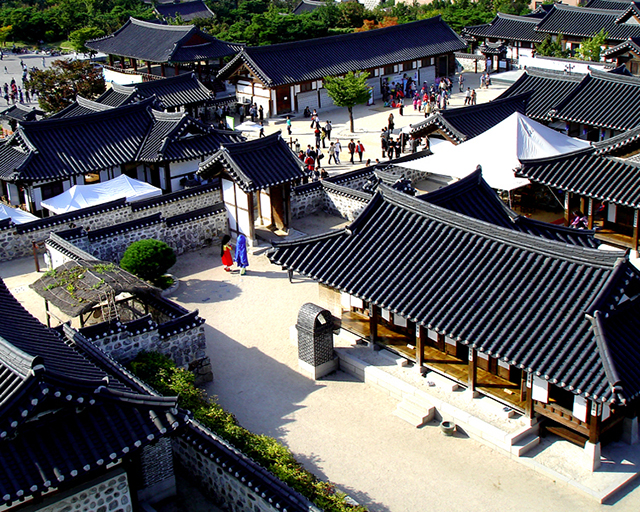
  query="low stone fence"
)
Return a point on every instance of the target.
[
  {"x": 558, "y": 64},
  {"x": 344, "y": 202},
  {"x": 471, "y": 62},
  {"x": 16, "y": 241},
  {"x": 230, "y": 478},
  {"x": 184, "y": 233}
]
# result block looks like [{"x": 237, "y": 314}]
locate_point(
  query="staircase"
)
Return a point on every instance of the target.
[{"x": 414, "y": 411}]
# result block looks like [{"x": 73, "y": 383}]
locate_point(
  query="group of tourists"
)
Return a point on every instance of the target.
[
  {"x": 253, "y": 111},
  {"x": 13, "y": 93}
]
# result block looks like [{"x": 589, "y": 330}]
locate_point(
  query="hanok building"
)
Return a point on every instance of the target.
[
  {"x": 186, "y": 11},
  {"x": 289, "y": 77},
  {"x": 156, "y": 46},
  {"x": 44, "y": 158},
  {"x": 459, "y": 124},
  {"x": 574, "y": 24},
  {"x": 182, "y": 93},
  {"x": 18, "y": 113},
  {"x": 627, "y": 53},
  {"x": 594, "y": 107},
  {"x": 517, "y": 33},
  {"x": 604, "y": 188},
  {"x": 257, "y": 177},
  {"x": 75, "y": 424},
  {"x": 547, "y": 327}
]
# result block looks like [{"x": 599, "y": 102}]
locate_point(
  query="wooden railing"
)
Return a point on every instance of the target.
[{"x": 561, "y": 415}]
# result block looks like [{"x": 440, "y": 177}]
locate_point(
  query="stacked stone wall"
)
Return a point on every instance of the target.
[
  {"x": 346, "y": 206},
  {"x": 17, "y": 243},
  {"x": 307, "y": 203},
  {"x": 192, "y": 235},
  {"x": 110, "y": 495},
  {"x": 184, "y": 348}
]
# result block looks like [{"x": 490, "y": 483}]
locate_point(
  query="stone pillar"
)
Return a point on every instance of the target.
[
  {"x": 591, "y": 456},
  {"x": 315, "y": 341},
  {"x": 630, "y": 430}
]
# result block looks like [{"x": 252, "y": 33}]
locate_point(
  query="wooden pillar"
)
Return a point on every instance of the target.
[
  {"x": 528, "y": 406},
  {"x": 590, "y": 214},
  {"x": 110, "y": 60},
  {"x": 134, "y": 64},
  {"x": 177, "y": 71},
  {"x": 473, "y": 369},
  {"x": 162, "y": 69},
  {"x": 149, "y": 67},
  {"x": 374, "y": 318},
  {"x": 567, "y": 196},
  {"x": 422, "y": 336},
  {"x": 594, "y": 424},
  {"x": 635, "y": 229},
  {"x": 46, "y": 310},
  {"x": 583, "y": 204},
  {"x": 199, "y": 69},
  {"x": 252, "y": 220},
  {"x": 259, "y": 204},
  {"x": 122, "y": 62}
]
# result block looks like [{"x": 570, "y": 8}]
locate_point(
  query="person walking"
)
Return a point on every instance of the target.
[
  {"x": 352, "y": 150},
  {"x": 359, "y": 150},
  {"x": 260, "y": 113},
  {"x": 289, "y": 125},
  {"x": 225, "y": 253},
  {"x": 328, "y": 129},
  {"x": 384, "y": 143},
  {"x": 390, "y": 124},
  {"x": 337, "y": 148},
  {"x": 331, "y": 153},
  {"x": 461, "y": 82},
  {"x": 241, "y": 254},
  {"x": 261, "y": 130}
]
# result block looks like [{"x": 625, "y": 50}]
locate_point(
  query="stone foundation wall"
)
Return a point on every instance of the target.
[
  {"x": 307, "y": 203},
  {"x": 110, "y": 495},
  {"x": 192, "y": 235},
  {"x": 346, "y": 206},
  {"x": 183, "y": 347},
  {"x": 18, "y": 242}
]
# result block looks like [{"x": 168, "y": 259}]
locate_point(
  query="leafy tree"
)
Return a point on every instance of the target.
[
  {"x": 4, "y": 34},
  {"x": 148, "y": 259},
  {"x": 590, "y": 49},
  {"x": 348, "y": 91},
  {"x": 551, "y": 48},
  {"x": 79, "y": 37},
  {"x": 59, "y": 85}
]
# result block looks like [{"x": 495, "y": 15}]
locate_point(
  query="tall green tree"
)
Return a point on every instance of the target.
[
  {"x": 590, "y": 49},
  {"x": 79, "y": 37},
  {"x": 551, "y": 48},
  {"x": 348, "y": 91},
  {"x": 59, "y": 85}
]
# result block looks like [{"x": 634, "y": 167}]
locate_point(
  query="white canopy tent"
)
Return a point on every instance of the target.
[
  {"x": 84, "y": 196},
  {"x": 15, "y": 214},
  {"x": 499, "y": 151}
]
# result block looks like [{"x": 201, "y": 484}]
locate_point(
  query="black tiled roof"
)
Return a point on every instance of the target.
[
  {"x": 20, "y": 113},
  {"x": 582, "y": 22},
  {"x": 175, "y": 91},
  {"x": 207, "y": 211},
  {"x": 465, "y": 123},
  {"x": 188, "y": 11},
  {"x": 585, "y": 173},
  {"x": 631, "y": 44},
  {"x": 260, "y": 163},
  {"x": 308, "y": 6},
  {"x": 548, "y": 90},
  {"x": 608, "y": 4},
  {"x": 291, "y": 63},
  {"x": 619, "y": 143},
  {"x": 507, "y": 27},
  {"x": 605, "y": 100},
  {"x": 66, "y": 410},
  {"x": 473, "y": 197},
  {"x": 151, "y": 202},
  {"x": 161, "y": 43},
  {"x": 63, "y": 147},
  {"x": 510, "y": 295}
]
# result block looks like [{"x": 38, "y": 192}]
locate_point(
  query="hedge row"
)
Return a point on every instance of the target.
[{"x": 161, "y": 373}]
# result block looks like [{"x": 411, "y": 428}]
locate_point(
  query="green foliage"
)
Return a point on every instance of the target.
[
  {"x": 148, "y": 259},
  {"x": 160, "y": 373},
  {"x": 79, "y": 37},
  {"x": 590, "y": 49},
  {"x": 348, "y": 91},
  {"x": 59, "y": 85},
  {"x": 551, "y": 48}
]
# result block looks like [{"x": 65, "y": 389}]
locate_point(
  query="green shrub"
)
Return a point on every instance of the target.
[
  {"x": 161, "y": 373},
  {"x": 148, "y": 259}
]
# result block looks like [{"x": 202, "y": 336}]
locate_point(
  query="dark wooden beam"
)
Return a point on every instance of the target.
[
  {"x": 567, "y": 213},
  {"x": 422, "y": 336},
  {"x": 374, "y": 318},
  {"x": 473, "y": 369},
  {"x": 590, "y": 214},
  {"x": 635, "y": 229}
]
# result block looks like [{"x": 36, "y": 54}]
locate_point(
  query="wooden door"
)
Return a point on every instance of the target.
[
  {"x": 278, "y": 207},
  {"x": 283, "y": 99}
]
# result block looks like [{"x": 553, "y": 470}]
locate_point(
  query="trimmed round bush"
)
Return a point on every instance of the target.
[{"x": 148, "y": 259}]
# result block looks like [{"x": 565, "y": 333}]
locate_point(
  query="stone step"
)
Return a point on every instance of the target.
[
  {"x": 525, "y": 444},
  {"x": 416, "y": 415}
]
